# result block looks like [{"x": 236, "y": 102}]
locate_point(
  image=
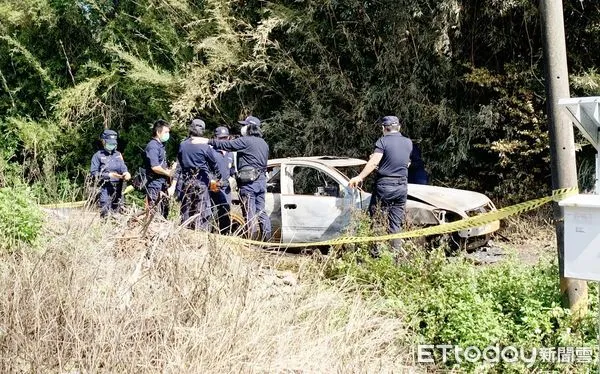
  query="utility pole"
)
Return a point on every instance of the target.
[{"x": 562, "y": 145}]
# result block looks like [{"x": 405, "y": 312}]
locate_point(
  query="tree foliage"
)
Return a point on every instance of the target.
[{"x": 466, "y": 76}]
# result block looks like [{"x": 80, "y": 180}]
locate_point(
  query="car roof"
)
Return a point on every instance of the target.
[{"x": 331, "y": 161}]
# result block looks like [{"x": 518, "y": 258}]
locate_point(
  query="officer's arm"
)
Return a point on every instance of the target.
[
  {"x": 415, "y": 155},
  {"x": 238, "y": 144},
  {"x": 213, "y": 163},
  {"x": 96, "y": 168},
  {"x": 371, "y": 165},
  {"x": 374, "y": 161},
  {"x": 124, "y": 171},
  {"x": 123, "y": 166}
]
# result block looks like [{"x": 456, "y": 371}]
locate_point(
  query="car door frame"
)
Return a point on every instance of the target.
[{"x": 348, "y": 201}]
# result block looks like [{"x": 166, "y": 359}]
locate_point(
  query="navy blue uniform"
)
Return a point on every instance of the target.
[
  {"x": 390, "y": 188},
  {"x": 252, "y": 153},
  {"x": 198, "y": 165},
  {"x": 110, "y": 196},
  {"x": 416, "y": 171},
  {"x": 155, "y": 155},
  {"x": 222, "y": 198}
]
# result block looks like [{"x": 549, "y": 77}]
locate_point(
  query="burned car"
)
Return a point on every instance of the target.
[{"x": 308, "y": 200}]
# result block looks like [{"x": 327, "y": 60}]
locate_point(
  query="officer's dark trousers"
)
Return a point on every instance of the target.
[
  {"x": 221, "y": 200},
  {"x": 111, "y": 197},
  {"x": 195, "y": 206},
  {"x": 157, "y": 200},
  {"x": 253, "y": 208},
  {"x": 389, "y": 195}
]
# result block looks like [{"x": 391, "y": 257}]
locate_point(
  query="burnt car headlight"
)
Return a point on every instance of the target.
[{"x": 488, "y": 207}]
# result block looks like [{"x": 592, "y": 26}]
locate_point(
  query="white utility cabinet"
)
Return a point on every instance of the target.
[
  {"x": 582, "y": 212},
  {"x": 582, "y": 236}
]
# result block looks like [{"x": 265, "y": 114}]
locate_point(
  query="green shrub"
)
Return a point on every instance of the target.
[
  {"x": 20, "y": 217},
  {"x": 455, "y": 302}
]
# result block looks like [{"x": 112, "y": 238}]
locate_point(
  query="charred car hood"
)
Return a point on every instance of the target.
[{"x": 450, "y": 199}]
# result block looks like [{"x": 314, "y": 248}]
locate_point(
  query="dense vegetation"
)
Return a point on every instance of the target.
[
  {"x": 511, "y": 304},
  {"x": 467, "y": 77},
  {"x": 448, "y": 300}
]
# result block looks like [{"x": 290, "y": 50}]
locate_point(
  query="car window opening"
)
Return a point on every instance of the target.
[{"x": 312, "y": 181}]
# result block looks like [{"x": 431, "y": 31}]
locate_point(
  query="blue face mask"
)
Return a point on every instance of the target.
[
  {"x": 110, "y": 147},
  {"x": 164, "y": 138}
]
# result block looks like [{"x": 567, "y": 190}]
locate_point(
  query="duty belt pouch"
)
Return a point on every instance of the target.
[{"x": 248, "y": 175}]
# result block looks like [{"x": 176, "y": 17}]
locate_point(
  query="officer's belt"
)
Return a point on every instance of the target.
[{"x": 391, "y": 180}]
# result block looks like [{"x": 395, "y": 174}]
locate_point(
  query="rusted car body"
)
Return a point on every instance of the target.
[{"x": 308, "y": 199}]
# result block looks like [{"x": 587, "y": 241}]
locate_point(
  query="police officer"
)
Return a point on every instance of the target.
[
  {"x": 221, "y": 199},
  {"x": 392, "y": 159},
  {"x": 416, "y": 171},
  {"x": 108, "y": 167},
  {"x": 252, "y": 156},
  {"x": 157, "y": 172},
  {"x": 198, "y": 166}
]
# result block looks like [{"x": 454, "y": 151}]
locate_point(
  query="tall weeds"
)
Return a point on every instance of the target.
[{"x": 101, "y": 298}]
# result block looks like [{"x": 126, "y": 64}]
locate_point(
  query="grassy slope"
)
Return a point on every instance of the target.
[{"x": 94, "y": 296}]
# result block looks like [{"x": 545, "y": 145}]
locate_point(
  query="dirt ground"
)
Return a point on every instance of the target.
[{"x": 529, "y": 238}]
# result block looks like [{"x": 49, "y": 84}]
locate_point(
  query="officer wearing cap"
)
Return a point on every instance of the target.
[
  {"x": 158, "y": 174},
  {"x": 391, "y": 158},
  {"x": 221, "y": 199},
  {"x": 109, "y": 169},
  {"x": 197, "y": 165},
  {"x": 252, "y": 155}
]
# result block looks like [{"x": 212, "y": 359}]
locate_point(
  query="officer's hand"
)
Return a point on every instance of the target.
[
  {"x": 127, "y": 176},
  {"x": 171, "y": 190},
  {"x": 112, "y": 175},
  {"x": 354, "y": 182}
]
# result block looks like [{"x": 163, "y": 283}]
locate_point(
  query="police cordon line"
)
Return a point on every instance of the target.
[
  {"x": 199, "y": 181},
  {"x": 463, "y": 224},
  {"x": 445, "y": 228}
]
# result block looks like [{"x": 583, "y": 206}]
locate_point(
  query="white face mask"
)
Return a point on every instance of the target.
[{"x": 244, "y": 130}]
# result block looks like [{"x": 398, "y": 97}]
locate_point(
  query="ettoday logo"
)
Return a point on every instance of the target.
[{"x": 431, "y": 354}]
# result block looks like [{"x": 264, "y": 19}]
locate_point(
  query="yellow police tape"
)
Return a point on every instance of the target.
[
  {"x": 464, "y": 224},
  {"x": 467, "y": 223}
]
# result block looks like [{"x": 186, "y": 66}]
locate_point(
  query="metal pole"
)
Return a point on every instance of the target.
[{"x": 562, "y": 144}]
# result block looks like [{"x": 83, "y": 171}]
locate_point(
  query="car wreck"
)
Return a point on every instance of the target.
[{"x": 308, "y": 200}]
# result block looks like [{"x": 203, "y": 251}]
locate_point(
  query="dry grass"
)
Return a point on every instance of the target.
[
  {"x": 537, "y": 224},
  {"x": 531, "y": 235},
  {"x": 91, "y": 301}
]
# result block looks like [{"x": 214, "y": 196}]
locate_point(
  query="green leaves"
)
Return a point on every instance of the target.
[
  {"x": 20, "y": 218},
  {"x": 466, "y": 76},
  {"x": 451, "y": 301}
]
